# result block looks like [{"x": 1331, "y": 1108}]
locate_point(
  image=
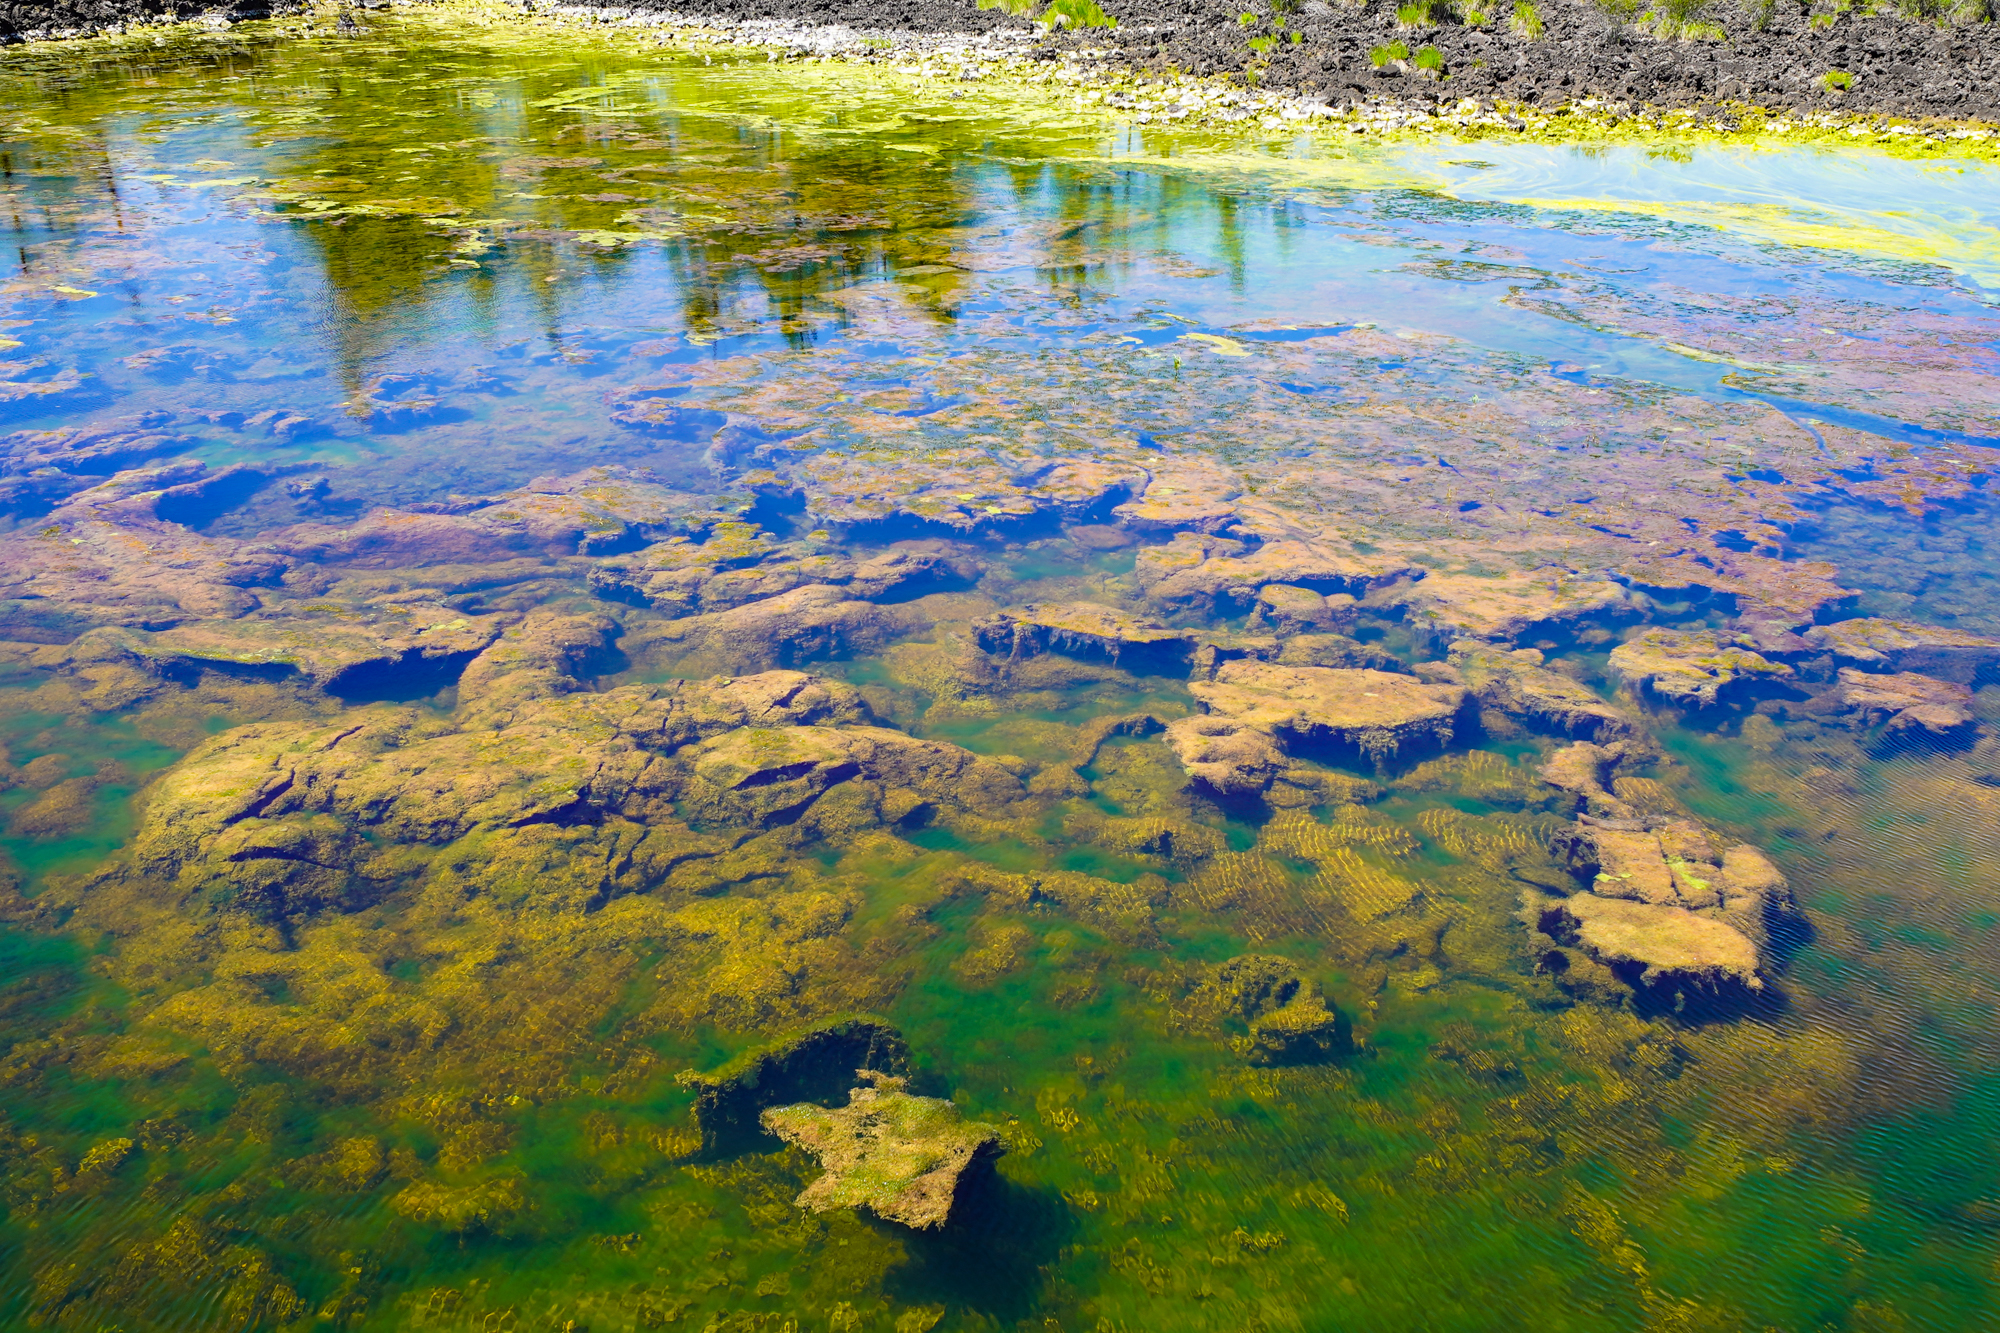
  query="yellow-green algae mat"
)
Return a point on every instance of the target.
[{"x": 536, "y": 562}]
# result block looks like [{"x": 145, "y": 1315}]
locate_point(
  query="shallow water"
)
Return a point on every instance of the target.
[{"x": 410, "y": 1063}]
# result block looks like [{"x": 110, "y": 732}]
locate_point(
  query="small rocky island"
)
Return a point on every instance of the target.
[{"x": 902, "y": 1158}]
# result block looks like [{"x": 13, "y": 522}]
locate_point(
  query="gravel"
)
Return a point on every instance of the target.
[{"x": 1784, "y": 55}]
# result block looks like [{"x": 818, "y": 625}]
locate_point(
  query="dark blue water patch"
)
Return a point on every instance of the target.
[
  {"x": 1903, "y": 432},
  {"x": 1937, "y": 569},
  {"x": 929, "y": 405},
  {"x": 1288, "y": 335}
]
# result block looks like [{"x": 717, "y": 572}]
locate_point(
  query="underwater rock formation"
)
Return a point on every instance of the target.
[
  {"x": 762, "y": 776},
  {"x": 1955, "y": 655},
  {"x": 1086, "y": 629},
  {"x": 1516, "y": 683},
  {"x": 1663, "y": 908},
  {"x": 1502, "y": 609},
  {"x": 900, "y": 1157},
  {"x": 815, "y": 1064},
  {"x": 1905, "y": 701},
  {"x": 1251, "y": 709},
  {"x": 1289, "y": 1022},
  {"x": 598, "y": 510},
  {"x": 1288, "y": 610},
  {"x": 964, "y": 492},
  {"x": 738, "y": 565},
  {"x": 1212, "y": 574},
  {"x": 1666, "y": 945},
  {"x": 342, "y": 648},
  {"x": 275, "y": 811},
  {"x": 1690, "y": 666},
  {"x": 815, "y": 621},
  {"x": 107, "y": 557}
]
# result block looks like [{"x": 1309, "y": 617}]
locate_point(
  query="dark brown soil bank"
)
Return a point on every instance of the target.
[
  {"x": 1771, "y": 53},
  {"x": 22, "y": 20},
  {"x": 1924, "y": 58}
]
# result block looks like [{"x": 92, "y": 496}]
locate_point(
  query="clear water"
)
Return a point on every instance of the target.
[{"x": 437, "y": 262}]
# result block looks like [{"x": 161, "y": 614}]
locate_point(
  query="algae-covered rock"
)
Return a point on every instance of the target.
[
  {"x": 1253, "y": 709},
  {"x": 1956, "y": 655},
  {"x": 106, "y": 557},
  {"x": 1225, "y": 755},
  {"x": 1505, "y": 607},
  {"x": 1691, "y": 666},
  {"x": 1334, "y": 650},
  {"x": 1216, "y": 574},
  {"x": 900, "y": 1157},
  {"x": 810, "y": 622},
  {"x": 1663, "y": 907},
  {"x": 597, "y": 510},
  {"x": 1081, "y": 628},
  {"x": 738, "y": 565},
  {"x": 1666, "y": 945},
  {"x": 763, "y": 775},
  {"x": 1287, "y": 1016},
  {"x": 1516, "y": 683},
  {"x": 342, "y": 648},
  {"x": 1188, "y": 494},
  {"x": 409, "y": 777},
  {"x": 814, "y": 1064},
  {"x": 1292, "y": 610},
  {"x": 1905, "y": 701}
]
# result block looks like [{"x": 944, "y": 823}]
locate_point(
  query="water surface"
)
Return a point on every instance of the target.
[{"x": 842, "y": 313}]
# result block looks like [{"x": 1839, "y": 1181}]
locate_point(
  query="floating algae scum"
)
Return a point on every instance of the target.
[{"x": 645, "y": 688}]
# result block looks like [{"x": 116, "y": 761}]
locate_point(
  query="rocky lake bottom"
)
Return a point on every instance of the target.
[{"x": 647, "y": 688}]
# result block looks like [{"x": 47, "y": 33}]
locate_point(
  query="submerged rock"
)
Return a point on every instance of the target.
[
  {"x": 343, "y": 648},
  {"x": 1691, "y": 666},
  {"x": 1184, "y": 495},
  {"x": 1518, "y": 684},
  {"x": 1506, "y": 607},
  {"x": 600, "y": 509},
  {"x": 108, "y": 557},
  {"x": 1663, "y": 907},
  {"x": 1212, "y": 574},
  {"x": 1666, "y": 945},
  {"x": 814, "y": 1064},
  {"x": 1955, "y": 655},
  {"x": 1905, "y": 701},
  {"x": 1292, "y": 610},
  {"x": 810, "y": 622},
  {"x": 1251, "y": 709},
  {"x": 1288, "y": 1020},
  {"x": 738, "y": 565},
  {"x": 900, "y": 1157},
  {"x": 230, "y": 817},
  {"x": 759, "y": 775},
  {"x": 1087, "y": 629}
]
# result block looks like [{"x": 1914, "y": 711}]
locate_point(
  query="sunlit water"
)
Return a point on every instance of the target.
[{"x": 407, "y": 269}]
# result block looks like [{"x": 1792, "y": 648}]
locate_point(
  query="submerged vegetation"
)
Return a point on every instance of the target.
[{"x": 641, "y": 693}]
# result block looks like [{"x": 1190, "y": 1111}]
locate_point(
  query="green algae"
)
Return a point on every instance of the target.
[{"x": 454, "y": 1104}]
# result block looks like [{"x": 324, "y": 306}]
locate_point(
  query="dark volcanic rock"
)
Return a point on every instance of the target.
[{"x": 1727, "y": 53}]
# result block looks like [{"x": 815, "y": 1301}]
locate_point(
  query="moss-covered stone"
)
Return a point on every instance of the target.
[{"x": 902, "y": 1158}]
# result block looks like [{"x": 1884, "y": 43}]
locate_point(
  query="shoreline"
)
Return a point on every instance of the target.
[
  {"x": 1096, "y": 81},
  {"x": 1100, "y": 78}
]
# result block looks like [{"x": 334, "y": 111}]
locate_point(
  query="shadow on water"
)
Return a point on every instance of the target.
[{"x": 992, "y": 1256}]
